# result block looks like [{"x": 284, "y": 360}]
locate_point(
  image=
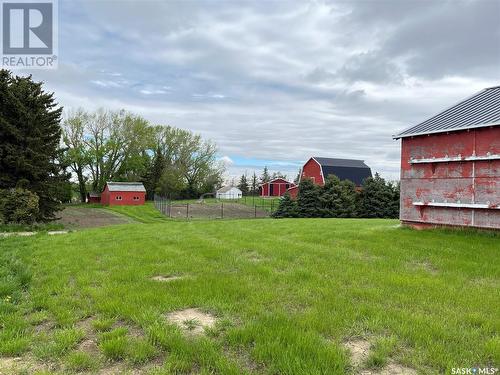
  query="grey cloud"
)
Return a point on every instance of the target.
[{"x": 278, "y": 80}]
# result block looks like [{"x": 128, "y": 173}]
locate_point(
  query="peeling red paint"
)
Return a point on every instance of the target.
[{"x": 466, "y": 182}]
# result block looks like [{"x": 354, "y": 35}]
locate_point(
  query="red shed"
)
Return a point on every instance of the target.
[
  {"x": 123, "y": 193},
  {"x": 275, "y": 188},
  {"x": 318, "y": 169},
  {"x": 93, "y": 197},
  {"x": 450, "y": 165}
]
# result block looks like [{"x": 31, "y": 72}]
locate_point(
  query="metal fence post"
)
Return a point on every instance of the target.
[
  {"x": 255, "y": 210},
  {"x": 222, "y": 210},
  {"x": 187, "y": 211}
]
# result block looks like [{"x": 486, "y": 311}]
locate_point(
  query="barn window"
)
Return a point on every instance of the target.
[
  {"x": 136, "y": 198},
  {"x": 118, "y": 198},
  {"x": 287, "y": 186}
]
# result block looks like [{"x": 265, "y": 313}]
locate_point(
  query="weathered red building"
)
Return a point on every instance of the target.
[
  {"x": 275, "y": 188},
  {"x": 318, "y": 169},
  {"x": 93, "y": 197},
  {"x": 450, "y": 165},
  {"x": 123, "y": 193}
]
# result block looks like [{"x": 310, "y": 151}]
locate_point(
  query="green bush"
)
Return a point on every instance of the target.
[{"x": 19, "y": 206}]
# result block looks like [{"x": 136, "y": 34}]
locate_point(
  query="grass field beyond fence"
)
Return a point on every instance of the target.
[{"x": 287, "y": 296}]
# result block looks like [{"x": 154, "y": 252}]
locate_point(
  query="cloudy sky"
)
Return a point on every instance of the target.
[{"x": 275, "y": 82}]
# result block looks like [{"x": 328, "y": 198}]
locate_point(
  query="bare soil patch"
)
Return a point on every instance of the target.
[
  {"x": 252, "y": 256},
  {"x": 359, "y": 351},
  {"x": 21, "y": 234},
  {"x": 83, "y": 217},
  {"x": 192, "y": 321},
  {"x": 14, "y": 365},
  {"x": 424, "y": 265},
  {"x": 166, "y": 279}
]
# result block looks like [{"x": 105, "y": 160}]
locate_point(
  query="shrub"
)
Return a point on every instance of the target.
[
  {"x": 287, "y": 207},
  {"x": 18, "y": 206}
]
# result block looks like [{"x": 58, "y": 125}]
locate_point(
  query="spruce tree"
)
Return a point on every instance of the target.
[
  {"x": 30, "y": 133},
  {"x": 287, "y": 207},
  {"x": 243, "y": 184},
  {"x": 265, "y": 177},
  {"x": 254, "y": 188},
  {"x": 308, "y": 199},
  {"x": 376, "y": 198},
  {"x": 154, "y": 173}
]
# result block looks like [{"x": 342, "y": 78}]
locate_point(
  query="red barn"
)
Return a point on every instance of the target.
[
  {"x": 275, "y": 188},
  {"x": 450, "y": 165},
  {"x": 318, "y": 169},
  {"x": 123, "y": 193}
]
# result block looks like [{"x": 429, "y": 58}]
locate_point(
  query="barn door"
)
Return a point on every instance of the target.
[{"x": 271, "y": 189}]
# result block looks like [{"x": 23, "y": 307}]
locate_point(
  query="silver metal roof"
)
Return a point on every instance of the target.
[
  {"x": 225, "y": 189},
  {"x": 125, "y": 186},
  {"x": 477, "y": 111}
]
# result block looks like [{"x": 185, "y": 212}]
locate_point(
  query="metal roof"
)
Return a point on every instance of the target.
[
  {"x": 125, "y": 186},
  {"x": 332, "y": 162},
  {"x": 477, "y": 111},
  {"x": 225, "y": 189}
]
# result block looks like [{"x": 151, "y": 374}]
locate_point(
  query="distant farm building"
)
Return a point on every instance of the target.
[
  {"x": 229, "y": 192},
  {"x": 123, "y": 193},
  {"x": 93, "y": 197},
  {"x": 317, "y": 169},
  {"x": 450, "y": 165},
  {"x": 275, "y": 188}
]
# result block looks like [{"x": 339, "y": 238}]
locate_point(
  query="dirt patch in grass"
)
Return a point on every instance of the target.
[
  {"x": 83, "y": 217},
  {"x": 252, "y": 256},
  {"x": 166, "y": 279},
  {"x": 425, "y": 266},
  {"x": 192, "y": 321},
  {"x": 14, "y": 365},
  {"x": 359, "y": 351}
]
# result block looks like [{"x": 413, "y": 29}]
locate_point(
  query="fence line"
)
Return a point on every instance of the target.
[{"x": 247, "y": 207}]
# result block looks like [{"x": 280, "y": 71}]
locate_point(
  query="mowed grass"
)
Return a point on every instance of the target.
[
  {"x": 144, "y": 214},
  {"x": 286, "y": 293}
]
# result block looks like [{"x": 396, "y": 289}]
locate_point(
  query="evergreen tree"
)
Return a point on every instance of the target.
[
  {"x": 297, "y": 178},
  {"x": 154, "y": 173},
  {"x": 243, "y": 184},
  {"x": 308, "y": 199},
  {"x": 254, "y": 187},
  {"x": 287, "y": 207},
  {"x": 265, "y": 177},
  {"x": 30, "y": 133},
  {"x": 376, "y": 198}
]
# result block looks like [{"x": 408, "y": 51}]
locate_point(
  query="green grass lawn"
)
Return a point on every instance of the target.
[
  {"x": 287, "y": 295},
  {"x": 144, "y": 214}
]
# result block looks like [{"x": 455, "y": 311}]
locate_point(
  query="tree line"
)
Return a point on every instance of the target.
[
  {"x": 40, "y": 151},
  {"x": 377, "y": 198}
]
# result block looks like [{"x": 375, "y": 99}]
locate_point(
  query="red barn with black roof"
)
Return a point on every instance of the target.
[{"x": 318, "y": 169}]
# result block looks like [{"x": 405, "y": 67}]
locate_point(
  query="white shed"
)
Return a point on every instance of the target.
[{"x": 229, "y": 192}]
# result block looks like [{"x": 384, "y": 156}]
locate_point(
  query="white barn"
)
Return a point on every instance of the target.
[{"x": 229, "y": 192}]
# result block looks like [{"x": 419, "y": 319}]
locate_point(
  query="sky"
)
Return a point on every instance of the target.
[{"x": 276, "y": 82}]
